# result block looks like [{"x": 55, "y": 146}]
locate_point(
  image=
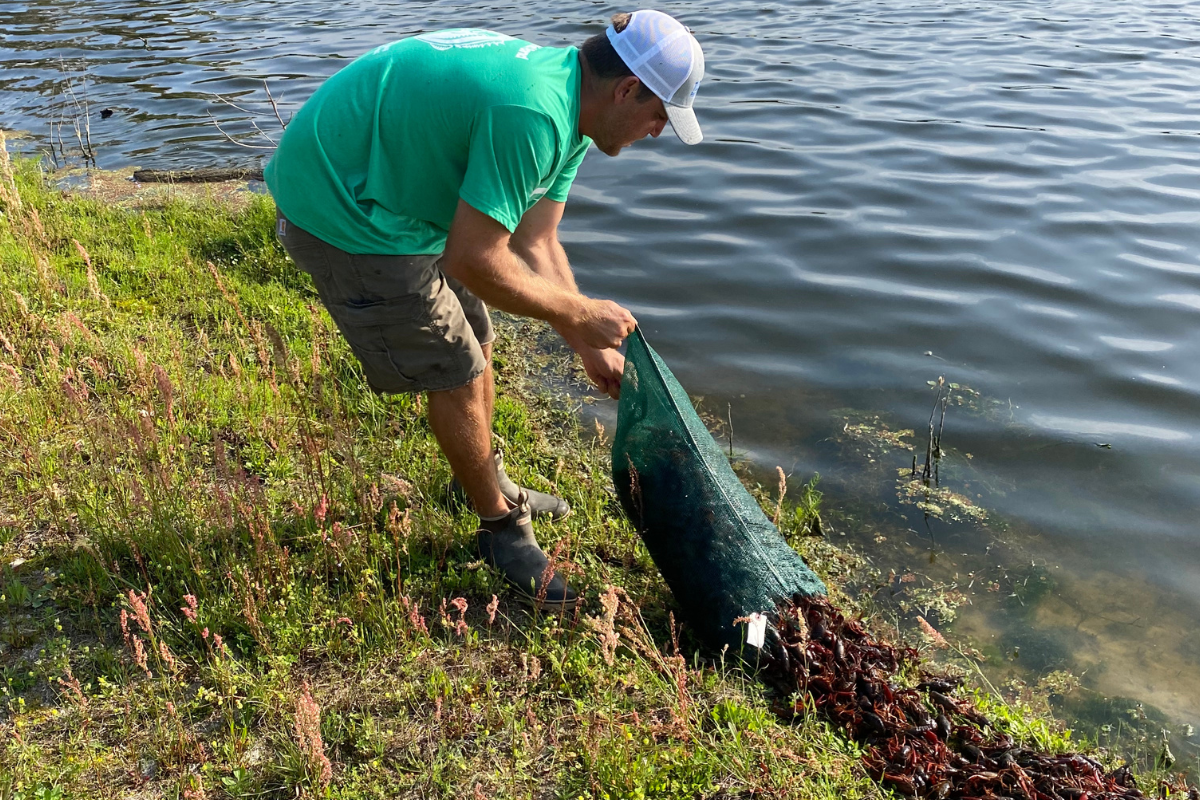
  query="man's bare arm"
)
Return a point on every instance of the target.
[
  {"x": 478, "y": 254},
  {"x": 536, "y": 241}
]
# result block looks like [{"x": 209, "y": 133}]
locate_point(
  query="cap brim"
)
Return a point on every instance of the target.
[{"x": 684, "y": 123}]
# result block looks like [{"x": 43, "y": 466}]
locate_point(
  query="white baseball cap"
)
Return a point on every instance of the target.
[{"x": 665, "y": 56}]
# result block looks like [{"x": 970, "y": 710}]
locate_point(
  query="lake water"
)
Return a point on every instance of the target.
[{"x": 1003, "y": 194}]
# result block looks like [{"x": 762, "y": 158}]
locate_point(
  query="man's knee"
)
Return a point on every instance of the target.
[{"x": 464, "y": 393}]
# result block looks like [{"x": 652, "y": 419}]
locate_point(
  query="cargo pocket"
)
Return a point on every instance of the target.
[{"x": 396, "y": 341}]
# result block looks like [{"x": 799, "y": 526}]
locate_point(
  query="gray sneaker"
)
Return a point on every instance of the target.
[
  {"x": 540, "y": 503},
  {"x": 508, "y": 544}
]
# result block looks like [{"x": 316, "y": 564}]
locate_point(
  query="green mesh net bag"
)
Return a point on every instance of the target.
[{"x": 717, "y": 550}]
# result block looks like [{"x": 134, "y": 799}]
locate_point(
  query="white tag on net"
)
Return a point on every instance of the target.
[{"x": 756, "y": 630}]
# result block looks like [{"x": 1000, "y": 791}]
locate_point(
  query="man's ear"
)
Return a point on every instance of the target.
[{"x": 626, "y": 89}]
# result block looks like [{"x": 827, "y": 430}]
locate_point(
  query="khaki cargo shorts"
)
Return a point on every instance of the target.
[{"x": 413, "y": 327}]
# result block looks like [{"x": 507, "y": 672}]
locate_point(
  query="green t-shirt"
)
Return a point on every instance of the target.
[{"x": 377, "y": 159}]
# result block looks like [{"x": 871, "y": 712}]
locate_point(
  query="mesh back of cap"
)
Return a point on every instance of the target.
[{"x": 658, "y": 49}]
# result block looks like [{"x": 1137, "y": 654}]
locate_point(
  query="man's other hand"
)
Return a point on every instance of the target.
[{"x": 604, "y": 367}]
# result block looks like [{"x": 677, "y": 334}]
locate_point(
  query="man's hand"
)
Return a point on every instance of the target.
[
  {"x": 597, "y": 324},
  {"x": 604, "y": 367}
]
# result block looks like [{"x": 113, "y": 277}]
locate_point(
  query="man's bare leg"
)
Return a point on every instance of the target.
[
  {"x": 462, "y": 424},
  {"x": 540, "y": 503}
]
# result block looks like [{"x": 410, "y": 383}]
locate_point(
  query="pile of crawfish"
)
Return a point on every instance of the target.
[{"x": 923, "y": 741}]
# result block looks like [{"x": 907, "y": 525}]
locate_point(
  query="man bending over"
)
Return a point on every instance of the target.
[{"x": 426, "y": 180}]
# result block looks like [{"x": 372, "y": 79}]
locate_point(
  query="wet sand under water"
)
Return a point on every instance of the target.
[
  {"x": 1119, "y": 633},
  {"x": 1120, "y": 638}
]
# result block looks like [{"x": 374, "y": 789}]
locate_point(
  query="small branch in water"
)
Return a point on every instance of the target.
[
  {"x": 226, "y": 134},
  {"x": 231, "y": 104},
  {"x": 937, "y": 448},
  {"x": 729, "y": 419},
  {"x": 82, "y": 136},
  {"x": 274, "y": 107},
  {"x": 250, "y": 117},
  {"x": 76, "y": 108},
  {"x": 927, "y": 472}
]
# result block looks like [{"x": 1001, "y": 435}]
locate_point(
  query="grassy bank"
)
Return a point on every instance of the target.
[{"x": 227, "y": 569}]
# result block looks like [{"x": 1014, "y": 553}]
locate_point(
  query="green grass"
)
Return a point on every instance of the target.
[
  {"x": 170, "y": 430},
  {"x": 180, "y": 425}
]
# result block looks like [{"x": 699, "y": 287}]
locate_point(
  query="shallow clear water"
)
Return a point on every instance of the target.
[{"x": 888, "y": 192}]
